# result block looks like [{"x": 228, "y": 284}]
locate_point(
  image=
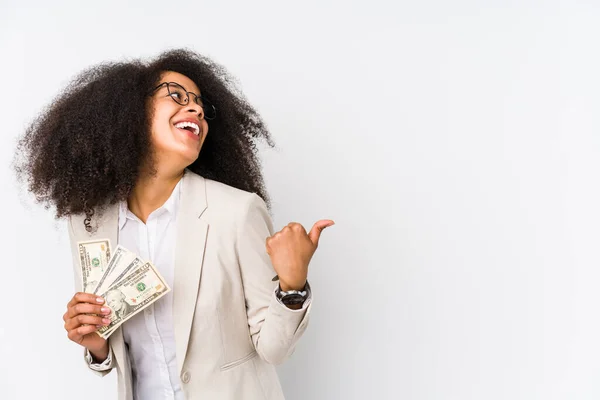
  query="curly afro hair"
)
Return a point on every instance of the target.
[{"x": 86, "y": 150}]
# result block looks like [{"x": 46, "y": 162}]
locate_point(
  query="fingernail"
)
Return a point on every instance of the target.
[
  {"x": 100, "y": 300},
  {"x": 105, "y": 310},
  {"x": 106, "y": 320},
  {"x": 99, "y": 326}
]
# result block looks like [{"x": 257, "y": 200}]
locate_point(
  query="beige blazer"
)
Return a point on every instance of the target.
[{"x": 229, "y": 328}]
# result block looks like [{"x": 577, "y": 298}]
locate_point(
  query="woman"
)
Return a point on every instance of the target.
[{"x": 119, "y": 154}]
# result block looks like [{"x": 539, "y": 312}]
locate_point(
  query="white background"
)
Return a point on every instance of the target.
[{"x": 455, "y": 144}]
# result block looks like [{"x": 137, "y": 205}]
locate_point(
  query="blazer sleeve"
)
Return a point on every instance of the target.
[
  {"x": 274, "y": 328},
  {"x": 107, "y": 366}
]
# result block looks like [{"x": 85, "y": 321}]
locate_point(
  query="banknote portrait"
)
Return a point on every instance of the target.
[{"x": 115, "y": 299}]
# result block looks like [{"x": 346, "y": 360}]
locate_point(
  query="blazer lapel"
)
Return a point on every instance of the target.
[{"x": 189, "y": 254}]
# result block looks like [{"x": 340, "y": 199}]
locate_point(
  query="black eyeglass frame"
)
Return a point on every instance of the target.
[{"x": 204, "y": 100}]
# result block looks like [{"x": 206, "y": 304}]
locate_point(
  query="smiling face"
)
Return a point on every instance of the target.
[{"x": 177, "y": 131}]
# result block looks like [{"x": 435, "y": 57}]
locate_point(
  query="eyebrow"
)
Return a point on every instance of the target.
[{"x": 184, "y": 88}]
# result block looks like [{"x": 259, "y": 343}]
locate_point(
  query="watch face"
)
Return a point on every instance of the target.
[{"x": 292, "y": 299}]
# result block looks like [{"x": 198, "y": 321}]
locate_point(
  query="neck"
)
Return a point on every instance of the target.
[{"x": 151, "y": 192}]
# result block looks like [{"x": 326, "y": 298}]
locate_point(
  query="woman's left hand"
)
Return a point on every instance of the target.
[{"x": 291, "y": 250}]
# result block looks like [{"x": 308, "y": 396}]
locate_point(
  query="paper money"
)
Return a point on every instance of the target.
[
  {"x": 120, "y": 261},
  {"x": 126, "y": 282},
  {"x": 141, "y": 287},
  {"x": 94, "y": 256},
  {"x": 137, "y": 262}
]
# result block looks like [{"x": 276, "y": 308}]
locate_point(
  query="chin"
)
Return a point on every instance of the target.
[{"x": 189, "y": 159}]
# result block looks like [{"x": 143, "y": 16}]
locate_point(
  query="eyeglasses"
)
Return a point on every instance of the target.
[{"x": 182, "y": 97}]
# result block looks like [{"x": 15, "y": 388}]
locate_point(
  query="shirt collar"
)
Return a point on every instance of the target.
[{"x": 171, "y": 206}]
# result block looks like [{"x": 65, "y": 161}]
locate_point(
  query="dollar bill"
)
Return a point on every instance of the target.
[
  {"x": 119, "y": 272},
  {"x": 137, "y": 290},
  {"x": 94, "y": 256},
  {"x": 120, "y": 261}
]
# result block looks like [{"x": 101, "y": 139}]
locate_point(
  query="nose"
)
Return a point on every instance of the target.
[{"x": 192, "y": 106}]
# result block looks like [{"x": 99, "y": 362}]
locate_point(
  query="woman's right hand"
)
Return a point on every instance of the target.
[{"x": 81, "y": 326}]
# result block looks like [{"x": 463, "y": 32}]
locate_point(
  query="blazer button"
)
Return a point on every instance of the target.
[{"x": 185, "y": 378}]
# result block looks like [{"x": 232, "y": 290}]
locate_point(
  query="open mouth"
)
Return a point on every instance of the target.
[{"x": 188, "y": 126}]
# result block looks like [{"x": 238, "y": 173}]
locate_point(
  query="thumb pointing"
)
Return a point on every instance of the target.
[{"x": 315, "y": 232}]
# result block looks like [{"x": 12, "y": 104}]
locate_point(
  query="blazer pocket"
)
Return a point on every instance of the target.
[{"x": 239, "y": 361}]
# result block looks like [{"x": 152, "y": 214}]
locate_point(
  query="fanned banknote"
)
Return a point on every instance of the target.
[
  {"x": 127, "y": 283},
  {"x": 94, "y": 256},
  {"x": 141, "y": 287},
  {"x": 119, "y": 263}
]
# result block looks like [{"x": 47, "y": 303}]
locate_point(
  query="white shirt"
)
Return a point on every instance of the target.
[{"x": 149, "y": 335}]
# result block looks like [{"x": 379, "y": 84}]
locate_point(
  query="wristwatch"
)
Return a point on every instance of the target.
[{"x": 292, "y": 297}]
